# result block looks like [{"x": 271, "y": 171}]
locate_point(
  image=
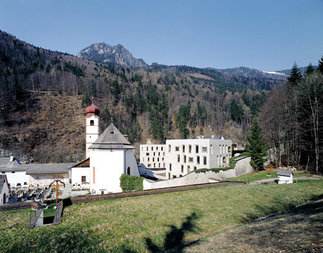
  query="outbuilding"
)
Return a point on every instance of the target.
[{"x": 285, "y": 177}]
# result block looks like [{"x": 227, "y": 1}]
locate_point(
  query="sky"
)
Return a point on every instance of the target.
[{"x": 264, "y": 34}]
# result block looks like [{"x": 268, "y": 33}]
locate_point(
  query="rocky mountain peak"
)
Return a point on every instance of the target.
[{"x": 104, "y": 53}]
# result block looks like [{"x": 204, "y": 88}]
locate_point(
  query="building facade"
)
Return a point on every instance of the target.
[
  {"x": 186, "y": 155},
  {"x": 153, "y": 155},
  {"x": 111, "y": 155}
]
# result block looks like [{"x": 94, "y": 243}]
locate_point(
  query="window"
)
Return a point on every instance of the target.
[
  {"x": 196, "y": 149},
  {"x": 154, "y": 165},
  {"x": 154, "y": 153},
  {"x": 158, "y": 165},
  {"x": 163, "y": 158},
  {"x": 189, "y": 148},
  {"x": 170, "y": 167},
  {"x": 204, "y": 149},
  {"x": 224, "y": 160},
  {"x": 188, "y": 168},
  {"x": 163, "y": 165},
  {"x": 147, "y": 148},
  {"x": 152, "y": 148},
  {"x": 190, "y": 159},
  {"x": 211, "y": 149},
  {"x": 198, "y": 160},
  {"x": 178, "y": 158},
  {"x": 183, "y": 148},
  {"x": 147, "y": 154},
  {"x": 148, "y": 159},
  {"x": 153, "y": 159},
  {"x": 229, "y": 149},
  {"x": 204, "y": 160},
  {"x": 182, "y": 168},
  {"x": 92, "y": 122},
  {"x": 157, "y": 159},
  {"x": 194, "y": 167},
  {"x": 163, "y": 153},
  {"x": 83, "y": 179},
  {"x": 169, "y": 175},
  {"x": 177, "y": 148},
  {"x": 174, "y": 176},
  {"x": 148, "y": 165},
  {"x": 128, "y": 171},
  {"x": 157, "y": 148},
  {"x": 162, "y": 148},
  {"x": 169, "y": 148},
  {"x": 158, "y": 153},
  {"x": 184, "y": 158}
]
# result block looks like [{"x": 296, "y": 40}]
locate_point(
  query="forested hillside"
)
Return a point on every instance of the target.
[
  {"x": 292, "y": 119},
  {"x": 43, "y": 96}
]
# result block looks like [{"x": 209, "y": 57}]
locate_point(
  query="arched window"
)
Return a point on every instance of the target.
[
  {"x": 92, "y": 122},
  {"x": 128, "y": 171}
]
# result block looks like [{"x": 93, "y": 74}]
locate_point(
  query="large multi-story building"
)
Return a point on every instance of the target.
[
  {"x": 179, "y": 157},
  {"x": 153, "y": 155}
]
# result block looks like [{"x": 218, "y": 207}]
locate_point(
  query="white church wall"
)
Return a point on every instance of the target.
[
  {"x": 78, "y": 173},
  {"x": 107, "y": 166}
]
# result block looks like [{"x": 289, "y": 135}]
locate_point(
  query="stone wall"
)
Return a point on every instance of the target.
[{"x": 242, "y": 167}]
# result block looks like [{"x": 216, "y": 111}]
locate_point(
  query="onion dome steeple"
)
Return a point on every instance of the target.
[{"x": 93, "y": 109}]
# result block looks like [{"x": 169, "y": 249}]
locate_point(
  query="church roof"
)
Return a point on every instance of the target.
[{"x": 111, "y": 138}]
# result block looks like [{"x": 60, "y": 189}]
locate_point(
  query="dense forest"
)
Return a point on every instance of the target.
[{"x": 292, "y": 120}]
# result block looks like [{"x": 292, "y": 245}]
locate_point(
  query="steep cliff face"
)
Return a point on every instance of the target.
[{"x": 104, "y": 53}]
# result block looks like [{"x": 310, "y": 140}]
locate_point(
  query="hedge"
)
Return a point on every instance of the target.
[{"x": 131, "y": 183}]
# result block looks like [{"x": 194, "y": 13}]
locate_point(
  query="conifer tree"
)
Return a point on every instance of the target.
[
  {"x": 320, "y": 67},
  {"x": 310, "y": 69},
  {"x": 256, "y": 147},
  {"x": 295, "y": 76}
]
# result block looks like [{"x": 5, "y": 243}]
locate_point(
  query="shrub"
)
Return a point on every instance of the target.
[{"x": 131, "y": 183}]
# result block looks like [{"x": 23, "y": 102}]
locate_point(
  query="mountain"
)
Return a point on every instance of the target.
[
  {"x": 104, "y": 53},
  {"x": 43, "y": 95}
]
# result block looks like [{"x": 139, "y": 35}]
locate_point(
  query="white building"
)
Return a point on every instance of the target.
[
  {"x": 186, "y": 155},
  {"x": 111, "y": 155},
  {"x": 4, "y": 189},
  {"x": 153, "y": 155},
  {"x": 14, "y": 171}
]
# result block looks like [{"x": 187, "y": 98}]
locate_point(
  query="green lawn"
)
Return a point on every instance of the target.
[
  {"x": 254, "y": 176},
  {"x": 155, "y": 222}
]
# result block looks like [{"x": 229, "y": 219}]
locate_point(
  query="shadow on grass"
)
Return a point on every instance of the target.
[
  {"x": 278, "y": 206},
  {"x": 174, "y": 238}
]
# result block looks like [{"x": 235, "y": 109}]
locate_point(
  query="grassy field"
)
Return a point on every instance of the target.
[
  {"x": 152, "y": 223},
  {"x": 299, "y": 230},
  {"x": 254, "y": 176}
]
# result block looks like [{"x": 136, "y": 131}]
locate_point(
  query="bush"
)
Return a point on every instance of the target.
[{"x": 131, "y": 183}]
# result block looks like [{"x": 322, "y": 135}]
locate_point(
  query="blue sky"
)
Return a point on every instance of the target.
[{"x": 262, "y": 34}]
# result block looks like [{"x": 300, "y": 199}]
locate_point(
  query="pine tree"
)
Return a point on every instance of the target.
[
  {"x": 310, "y": 69},
  {"x": 295, "y": 76},
  {"x": 256, "y": 147},
  {"x": 320, "y": 67}
]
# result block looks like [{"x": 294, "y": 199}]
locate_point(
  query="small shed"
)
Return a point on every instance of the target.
[{"x": 285, "y": 177}]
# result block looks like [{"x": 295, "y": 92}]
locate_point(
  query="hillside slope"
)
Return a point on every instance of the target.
[{"x": 143, "y": 103}]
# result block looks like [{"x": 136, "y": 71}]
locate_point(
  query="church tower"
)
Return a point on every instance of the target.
[{"x": 91, "y": 126}]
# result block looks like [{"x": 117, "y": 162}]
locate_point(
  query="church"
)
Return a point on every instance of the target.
[{"x": 108, "y": 156}]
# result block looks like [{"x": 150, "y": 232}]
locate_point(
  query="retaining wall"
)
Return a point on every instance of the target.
[{"x": 242, "y": 167}]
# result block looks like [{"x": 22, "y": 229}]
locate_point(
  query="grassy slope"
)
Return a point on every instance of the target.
[{"x": 115, "y": 225}]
